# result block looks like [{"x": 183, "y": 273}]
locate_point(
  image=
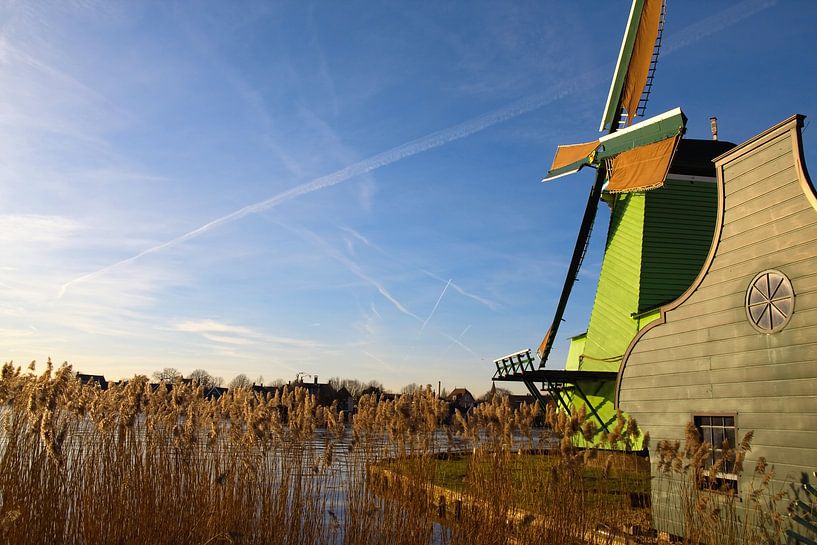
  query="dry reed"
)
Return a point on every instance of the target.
[{"x": 138, "y": 464}]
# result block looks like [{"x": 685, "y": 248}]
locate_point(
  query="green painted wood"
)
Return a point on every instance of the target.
[
  {"x": 601, "y": 396},
  {"x": 645, "y": 318},
  {"x": 649, "y": 131},
  {"x": 679, "y": 220},
  {"x": 611, "y": 326},
  {"x": 576, "y": 350},
  {"x": 567, "y": 169}
]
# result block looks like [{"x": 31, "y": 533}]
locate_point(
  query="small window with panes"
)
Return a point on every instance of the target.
[{"x": 720, "y": 433}]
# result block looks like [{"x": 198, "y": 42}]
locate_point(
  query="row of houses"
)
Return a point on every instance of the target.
[
  {"x": 324, "y": 392},
  {"x": 460, "y": 399}
]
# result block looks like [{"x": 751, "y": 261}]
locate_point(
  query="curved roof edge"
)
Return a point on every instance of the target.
[{"x": 793, "y": 124}]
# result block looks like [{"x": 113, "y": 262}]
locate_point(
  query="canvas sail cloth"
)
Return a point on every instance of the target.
[
  {"x": 643, "y": 48},
  {"x": 642, "y": 168},
  {"x": 572, "y": 157},
  {"x": 637, "y": 158},
  {"x": 638, "y": 48},
  {"x": 541, "y": 350}
]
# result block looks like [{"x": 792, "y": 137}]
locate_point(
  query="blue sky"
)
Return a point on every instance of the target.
[{"x": 340, "y": 188}]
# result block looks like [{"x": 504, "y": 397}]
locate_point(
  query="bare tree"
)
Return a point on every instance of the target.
[
  {"x": 168, "y": 374},
  {"x": 200, "y": 377},
  {"x": 411, "y": 388},
  {"x": 495, "y": 392},
  {"x": 240, "y": 381},
  {"x": 354, "y": 386},
  {"x": 277, "y": 382},
  {"x": 376, "y": 384}
]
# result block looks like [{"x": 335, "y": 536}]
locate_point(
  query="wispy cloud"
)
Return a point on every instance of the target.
[
  {"x": 225, "y": 333},
  {"x": 29, "y": 228},
  {"x": 409, "y": 149},
  {"x": 433, "y": 140}
]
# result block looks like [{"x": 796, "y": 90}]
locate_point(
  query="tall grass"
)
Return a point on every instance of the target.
[
  {"x": 708, "y": 507},
  {"x": 136, "y": 465}
]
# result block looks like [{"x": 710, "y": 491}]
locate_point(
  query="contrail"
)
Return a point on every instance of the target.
[
  {"x": 353, "y": 267},
  {"x": 490, "y": 304},
  {"x": 458, "y": 340},
  {"x": 593, "y": 77},
  {"x": 433, "y": 310},
  {"x": 380, "y": 361},
  {"x": 461, "y": 345},
  {"x": 713, "y": 24},
  {"x": 431, "y": 141}
]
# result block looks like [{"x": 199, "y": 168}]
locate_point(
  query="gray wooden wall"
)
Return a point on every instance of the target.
[{"x": 703, "y": 356}]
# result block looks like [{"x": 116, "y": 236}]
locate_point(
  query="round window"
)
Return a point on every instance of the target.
[{"x": 769, "y": 301}]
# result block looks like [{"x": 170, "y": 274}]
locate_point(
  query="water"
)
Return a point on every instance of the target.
[{"x": 331, "y": 482}]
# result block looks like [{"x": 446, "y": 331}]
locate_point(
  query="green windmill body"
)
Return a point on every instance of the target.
[
  {"x": 663, "y": 200},
  {"x": 657, "y": 241}
]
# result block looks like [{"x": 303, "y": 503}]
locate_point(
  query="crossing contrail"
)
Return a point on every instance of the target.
[
  {"x": 453, "y": 285},
  {"x": 433, "y": 310},
  {"x": 353, "y": 267},
  {"x": 436, "y": 139}
]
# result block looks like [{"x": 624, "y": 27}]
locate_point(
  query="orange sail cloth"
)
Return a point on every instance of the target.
[
  {"x": 642, "y": 168},
  {"x": 571, "y": 153},
  {"x": 641, "y": 56},
  {"x": 541, "y": 350}
]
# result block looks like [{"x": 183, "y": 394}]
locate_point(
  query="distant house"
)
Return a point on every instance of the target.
[
  {"x": 214, "y": 392},
  {"x": 324, "y": 392},
  {"x": 93, "y": 379},
  {"x": 461, "y": 399},
  {"x": 371, "y": 390},
  {"x": 346, "y": 401},
  {"x": 517, "y": 401},
  {"x": 265, "y": 391},
  {"x": 379, "y": 395}
]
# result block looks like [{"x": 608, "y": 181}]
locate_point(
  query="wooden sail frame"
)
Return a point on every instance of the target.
[{"x": 637, "y": 60}]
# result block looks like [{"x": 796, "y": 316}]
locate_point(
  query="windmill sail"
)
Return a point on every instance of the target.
[
  {"x": 636, "y": 61},
  {"x": 642, "y": 168},
  {"x": 571, "y": 158}
]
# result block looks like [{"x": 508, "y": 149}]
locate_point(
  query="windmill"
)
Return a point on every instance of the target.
[{"x": 631, "y": 160}]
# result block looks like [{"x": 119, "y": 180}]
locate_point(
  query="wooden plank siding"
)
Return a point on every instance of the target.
[
  {"x": 679, "y": 220},
  {"x": 611, "y": 326},
  {"x": 703, "y": 356}
]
